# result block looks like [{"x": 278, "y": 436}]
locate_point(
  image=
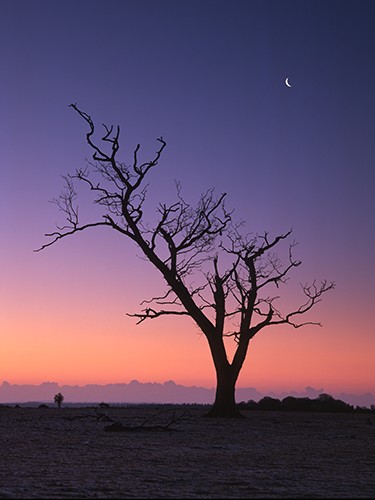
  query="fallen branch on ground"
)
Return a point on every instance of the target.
[{"x": 120, "y": 427}]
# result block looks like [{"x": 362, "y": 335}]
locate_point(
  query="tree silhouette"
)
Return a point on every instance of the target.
[
  {"x": 59, "y": 398},
  {"x": 213, "y": 273}
]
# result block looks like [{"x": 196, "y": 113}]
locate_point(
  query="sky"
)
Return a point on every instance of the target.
[{"x": 209, "y": 77}]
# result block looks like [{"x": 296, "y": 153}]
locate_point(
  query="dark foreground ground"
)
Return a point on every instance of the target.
[{"x": 67, "y": 453}]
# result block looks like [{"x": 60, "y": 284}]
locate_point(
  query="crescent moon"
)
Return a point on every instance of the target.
[{"x": 287, "y": 82}]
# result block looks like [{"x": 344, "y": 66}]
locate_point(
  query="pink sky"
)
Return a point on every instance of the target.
[{"x": 64, "y": 320}]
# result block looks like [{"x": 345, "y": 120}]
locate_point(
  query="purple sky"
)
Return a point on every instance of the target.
[{"x": 208, "y": 76}]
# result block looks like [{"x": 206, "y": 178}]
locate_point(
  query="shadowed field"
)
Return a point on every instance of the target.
[{"x": 173, "y": 453}]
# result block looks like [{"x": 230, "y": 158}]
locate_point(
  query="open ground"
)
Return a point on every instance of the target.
[{"x": 172, "y": 452}]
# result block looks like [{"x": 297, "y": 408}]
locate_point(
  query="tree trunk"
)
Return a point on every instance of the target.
[
  {"x": 225, "y": 403},
  {"x": 226, "y": 377}
]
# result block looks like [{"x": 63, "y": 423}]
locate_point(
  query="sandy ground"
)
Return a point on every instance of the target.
[{"x": 67, "y": 453}]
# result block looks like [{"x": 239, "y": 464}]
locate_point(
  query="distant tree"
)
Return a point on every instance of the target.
[
  {"x": 59, "y": 398},
  {"x": 268, "y": 403},
  {"x": 219, "y": 277},
  {"x": 326, "y": 402},
  {"x": 324, "y": 396},
  {"x": 291, "y": 403}
]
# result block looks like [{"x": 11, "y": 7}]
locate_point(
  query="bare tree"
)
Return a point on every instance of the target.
[
  {"x": 224, "y": 281},
  {"x": 58, "y": 399}
]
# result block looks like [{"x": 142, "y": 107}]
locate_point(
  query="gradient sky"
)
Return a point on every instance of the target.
[{"x": 208, "y": 76}]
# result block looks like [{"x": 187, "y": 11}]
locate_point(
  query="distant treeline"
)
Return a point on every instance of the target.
[{"x": 323, "y": 403}]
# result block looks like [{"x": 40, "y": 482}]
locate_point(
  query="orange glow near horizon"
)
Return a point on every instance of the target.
[
  {"x": 90, "y": 350},
  {"x": 69, "y": 325}
]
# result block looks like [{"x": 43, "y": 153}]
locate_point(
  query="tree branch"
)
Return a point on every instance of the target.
[
  {"x": 150, "y": 313},
  {"x": 184, "y": 244}
]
